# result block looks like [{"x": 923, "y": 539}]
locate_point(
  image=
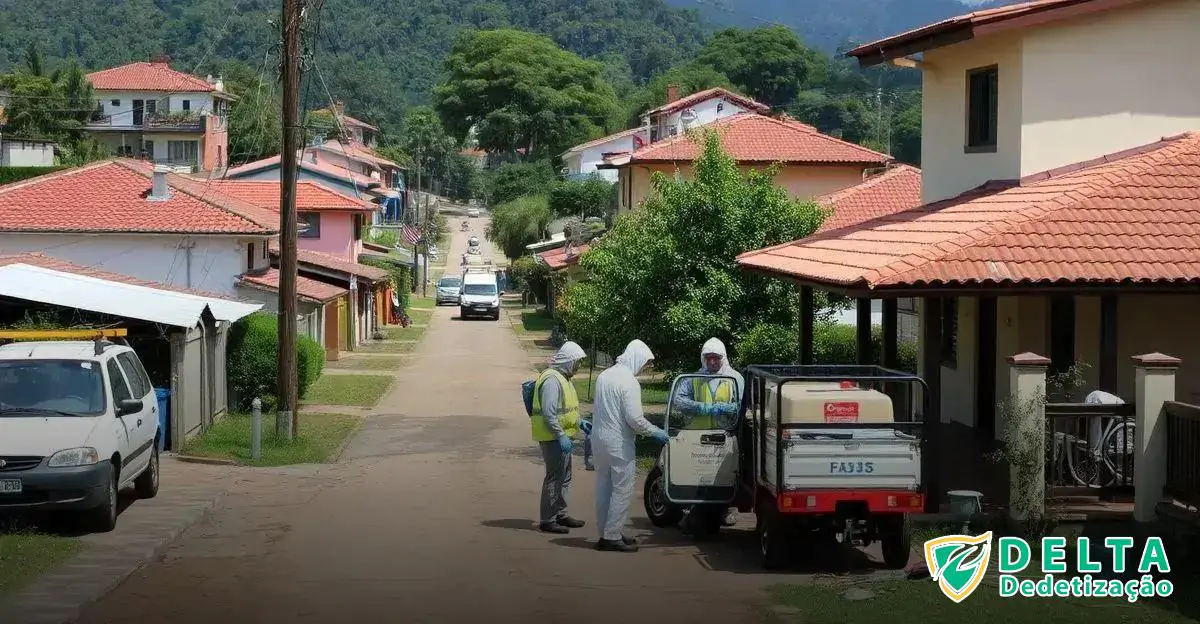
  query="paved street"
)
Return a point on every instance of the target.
[{"x": 428, "y": 517}]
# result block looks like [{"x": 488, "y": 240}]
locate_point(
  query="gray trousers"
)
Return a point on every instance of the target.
[{"x": 557, "y": 483}]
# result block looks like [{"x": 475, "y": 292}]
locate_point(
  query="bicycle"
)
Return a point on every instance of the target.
[{"x": 1088, "y": 465}]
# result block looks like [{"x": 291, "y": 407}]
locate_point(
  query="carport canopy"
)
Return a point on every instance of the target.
[{"x": 155, "y": 305}]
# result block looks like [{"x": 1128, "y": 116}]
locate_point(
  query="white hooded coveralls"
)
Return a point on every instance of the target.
[{"x": 615, "y": 424}]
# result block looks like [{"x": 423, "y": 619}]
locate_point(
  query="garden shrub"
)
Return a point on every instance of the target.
[
  {"x": 252, "y": 361},
  {"x": 832, "y": 344}
]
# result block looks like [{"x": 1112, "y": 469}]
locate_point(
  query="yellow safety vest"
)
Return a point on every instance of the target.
[
  {"x": 702, "y": 392},
  {"x": 568, "y": 418}
]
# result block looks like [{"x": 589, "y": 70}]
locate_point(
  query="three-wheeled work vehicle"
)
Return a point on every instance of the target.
[{"x": 849, "y": 469}]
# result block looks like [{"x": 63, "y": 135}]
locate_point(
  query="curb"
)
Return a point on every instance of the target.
[
  {"x": 211, "y": 461},
  {"x": 336, "y": 456}
]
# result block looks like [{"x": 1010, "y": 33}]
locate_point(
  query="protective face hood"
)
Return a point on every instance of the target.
[
  {"x": 567, "y": 355},
  {"x": 716, "y": 347},
  {"x": 636, "y": 356}
]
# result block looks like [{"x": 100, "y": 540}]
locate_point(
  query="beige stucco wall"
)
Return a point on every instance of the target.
[
  {"x": 802, "y": 182},
  {"x": 1108, "y": 82}
]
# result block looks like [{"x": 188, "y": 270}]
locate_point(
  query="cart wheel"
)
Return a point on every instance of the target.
[
  {"x": 771, "y": 539},
  {"x": 662, "y": 512},
  {"x": 895, "y": 541}
]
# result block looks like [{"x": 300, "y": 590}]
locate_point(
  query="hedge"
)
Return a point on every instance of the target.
[
  {"x": 400, "y": 276},
  {"x": 832, "y": 344},
  {"x": 8, "y": 175},
  {"x": 252, "y": 361}
]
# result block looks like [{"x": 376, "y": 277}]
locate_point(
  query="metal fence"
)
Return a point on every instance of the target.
[
  {"x": 1089, "y": 450},
  {"x": 1183, "y": 452}
]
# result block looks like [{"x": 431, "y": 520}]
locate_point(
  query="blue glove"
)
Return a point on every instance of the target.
[
  {"x": 727, "y": 408},
  {"x": 565, "y": 444},
  {"x": 586, "y": 427},
  {"x": 706, "y": 409},
  {"x": 660, "y": 436}
]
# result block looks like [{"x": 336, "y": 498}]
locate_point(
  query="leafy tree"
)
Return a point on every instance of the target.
[
  {"x": 519, "y": 90},
  {"x": 254, "y": 117},
  {"x": 589, "y": 197},
  {"x": 424, "y": 140},
  {"x": 666, "y": 274},
  {"x": 770, "y": 63},
  {"x": 513, "y": 180},
  {"x": 519, "y": 223},
  {"x": 690, "y": 79}
]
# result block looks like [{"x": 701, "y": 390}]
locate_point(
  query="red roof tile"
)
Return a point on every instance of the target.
[
  {"x": 54, "y": 264},
  {"x": 306, "y": 288},
  {"x": 335, "y": 263},
  {"x": 753, "y": 138},
  {"x": 708, "y": 94},
  {"x": 309, "y": 195},
  {"x": 111, "y": 196},
  {"x": 306, "y": 164},
  {"x": 977, "y": 24},
  {"x": 148, "y": 76},
  {"x": 645, "y": 131},
  {"x": 358, "y": 151},
  {"x": 892, "y": 191},
  {"x": 1127, "y": 217},
  {"x": 562, "y": 257},
  {"x": 350, "y": 121}
]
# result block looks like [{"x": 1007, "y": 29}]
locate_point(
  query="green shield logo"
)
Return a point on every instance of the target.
[{"x": 958, "y": 563}]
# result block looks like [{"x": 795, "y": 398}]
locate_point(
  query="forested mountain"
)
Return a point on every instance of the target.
[
  {"x": 381, "y": 56},
  {"x": 832, "y": 24}
]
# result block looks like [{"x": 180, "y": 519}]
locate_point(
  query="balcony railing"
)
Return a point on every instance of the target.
[{"x": 178, "y": 121}]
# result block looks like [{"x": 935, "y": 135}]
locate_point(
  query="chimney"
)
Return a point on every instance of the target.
[
  {"x": 159, "y": 191},
  {"x": 339, "y": 108},
  {"x": 220, "y": 84},
  {"x": 672, "y": 93}
]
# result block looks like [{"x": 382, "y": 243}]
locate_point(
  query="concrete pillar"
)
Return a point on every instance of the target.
[
  {"x": 1154, "y": 385},
  {"x": 1026, "y": 435}
]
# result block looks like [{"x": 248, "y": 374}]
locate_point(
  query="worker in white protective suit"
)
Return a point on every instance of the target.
[
  {"x": 615, "y": 424},
  {"x": 712, "y": 403}
]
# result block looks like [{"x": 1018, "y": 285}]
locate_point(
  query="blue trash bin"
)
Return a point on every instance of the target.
[{"x": 164, "y": 419}]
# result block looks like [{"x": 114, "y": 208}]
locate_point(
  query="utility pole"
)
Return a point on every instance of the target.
[{"x": 288, "y": 422}]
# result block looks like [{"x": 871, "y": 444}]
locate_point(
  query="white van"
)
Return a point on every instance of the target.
[
  {"x": 479, "y": 295},
  {"x": 78, "y": 422}
]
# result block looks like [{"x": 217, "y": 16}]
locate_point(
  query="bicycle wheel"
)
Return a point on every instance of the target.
[
  {"x": 1082, "y": 463},
  {"x": 1116, "y": 449}
]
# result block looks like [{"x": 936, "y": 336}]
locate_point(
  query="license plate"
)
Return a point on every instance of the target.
[
  {"x": 481, "y": 308},
  {"x": 10, "y": 486}
]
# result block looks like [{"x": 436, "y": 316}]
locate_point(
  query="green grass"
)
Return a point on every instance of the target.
[
  {"x": 367, "y": 363},
  {"x": 26, "y": 556},
  {"x": 363, "y": 390},
  {"x": 653, "y": 392},
  {"x": 406, "y": 333},
  {"x": 416, "y": 301},
  {"x": 535, "y": 321},
  {"x": 921, "y": 601},
  {"x": 320, "y": 436},
  {"x": 389, "y": 347}
]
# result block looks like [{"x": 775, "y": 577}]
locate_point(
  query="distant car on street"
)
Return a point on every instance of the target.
[
  {"x": 472, "y": 212},
  {"x": 448, "y": 289}
]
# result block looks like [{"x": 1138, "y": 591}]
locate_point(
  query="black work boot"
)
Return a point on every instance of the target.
[
  {"x": 553, "y": 527},
  {"x": 569, "y": 522},
  {"x": 615, "y": 545}
]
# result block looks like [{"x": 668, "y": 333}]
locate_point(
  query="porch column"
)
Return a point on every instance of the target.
[
  {"x": 862, "y": 328},
  {"x": 1026, "y": 480},
  {"x": 1155, "y": 385},
  {"x": 1108, "y": 344},
  {"x": 891, "y": 333},
  {"x": 931, "y": 337},
  {"x": 806, "y": 326}
]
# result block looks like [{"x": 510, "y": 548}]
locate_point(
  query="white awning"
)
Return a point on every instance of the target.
[{"x": 32, "y": 283}]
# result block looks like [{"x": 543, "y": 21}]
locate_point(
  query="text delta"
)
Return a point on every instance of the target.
[{"x": 1016, "y": 555}]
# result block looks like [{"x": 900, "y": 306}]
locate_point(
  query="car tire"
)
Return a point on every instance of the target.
[
  {"x": 773, "y": 547},
  {"x": 103, "y": 518},
  {"x": 496, "y": 315},
  {"x": 661, "y": 512},
  {"x": 895, "y": 542},
  {"x": 462, "y": 313},
  {"x": 146, "y": 485}
]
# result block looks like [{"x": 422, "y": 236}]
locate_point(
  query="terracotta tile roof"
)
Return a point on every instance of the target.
[
  {"x": 645, "y": 131},
  {"x": 978, "y": 24},
  {"x": 148, "y": 76},
  {"x": 306, "y": 288},
  {"x": 358, "y": 151},
  {"x": 54, "y": 264},
  {"x": 1128, "y": 217},
  {"x": 350, "y": 121},
  {"x": 708, "y": 94},
  {"x": 334, "y": 263},
  {"x": 309, "y": 195},
  {"x": 325, "y": 169},
  {"x": 896, "y": 190},
  {"x": 111, "y": 196},
  {"x": 562, "y": 257},
  {"x": 476, "y": 153},
  {"x": 753, "y": 138}
]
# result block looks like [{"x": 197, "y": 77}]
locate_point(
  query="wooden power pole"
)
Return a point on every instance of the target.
[{"x": 288, "y": 371}]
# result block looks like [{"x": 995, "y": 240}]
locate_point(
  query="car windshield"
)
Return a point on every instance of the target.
[
  {"x": 68, "y": 386},
  {"x": 449, "y": 282},
  {"x": 479, "y": 289}
]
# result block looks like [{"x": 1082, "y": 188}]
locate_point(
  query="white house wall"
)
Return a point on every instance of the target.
[
  {"x": 215, "y": 261},
  {"x": 706, "y": 113},
  {"x": 122, "y": 113},
  {"x": 26, "y": 154}
]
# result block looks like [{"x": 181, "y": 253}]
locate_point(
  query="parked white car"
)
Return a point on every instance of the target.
[
  {"x": 78, "y": 423},
  {"x": 479, "y": 295},
  {"x": 472, "y": 212}
]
